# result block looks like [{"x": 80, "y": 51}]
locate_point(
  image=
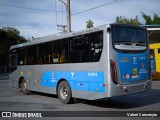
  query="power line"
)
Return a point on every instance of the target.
[
  {"x": 108, "y": 3},
  {"x": 29, "y": 8}
]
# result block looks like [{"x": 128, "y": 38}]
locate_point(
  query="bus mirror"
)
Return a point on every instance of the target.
[{"x": 109, "y": 30}]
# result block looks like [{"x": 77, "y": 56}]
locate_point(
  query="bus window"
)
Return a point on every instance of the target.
[
  {"x": 153, "y": 64},
  {"x": 79, "y": 49},
  {"x": 47, "y": 53},
  {"x": 22, "y": 55},
  {"x": 63, "y": 48},
  {"x": 60, "y": 51},
  {"x": 13, "y": 59},
  {"x": 86, "y": 48},
  {"x": 158, "y": 50},
  {"x": 129, "y": 39},
  {"x": 152, "y": 53},
  {"x": 13, "y": 62},
  {"x": 96, "y": 41},
  {"x": 41, "y": 53},
  {"x": 31, "y": 54}
]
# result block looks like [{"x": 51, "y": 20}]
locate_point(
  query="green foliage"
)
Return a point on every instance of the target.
[
  {"x": 149, "y": 20},
  {"x": 152, "y": 41},
  {"x": 89, "y": 24},
  {"x": 135, "y": 21},
  {"x": 124, "y": 20},
  {"x": 8, "y": 36},
  {"x": 11, "y": 30}
]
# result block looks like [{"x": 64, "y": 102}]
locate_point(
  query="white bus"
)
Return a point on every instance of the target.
[{"x": 101, "y": 62}]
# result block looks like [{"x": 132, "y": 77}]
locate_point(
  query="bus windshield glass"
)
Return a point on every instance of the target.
[{"x": 129, "y": 38}]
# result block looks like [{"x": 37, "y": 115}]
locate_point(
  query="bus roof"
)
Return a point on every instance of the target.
[
  {"x": 152, "y": 27},
  {"x": 153, "y": 31}
]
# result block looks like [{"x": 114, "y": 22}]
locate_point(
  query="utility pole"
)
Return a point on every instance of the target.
[{"x": 68, "y": 14}]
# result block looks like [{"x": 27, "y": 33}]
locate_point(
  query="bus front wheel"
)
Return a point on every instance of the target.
[
  {"x": 64, "y": 92},
  {"x": 24, "y": 87}
]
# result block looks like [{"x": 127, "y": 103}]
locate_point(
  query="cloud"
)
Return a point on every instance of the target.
[
  {"x": 29, "y": 22},
  {"x": 108, "y": 13},
  {"x": 30, "y": 31},
  {"x": 40, "y": 23}
]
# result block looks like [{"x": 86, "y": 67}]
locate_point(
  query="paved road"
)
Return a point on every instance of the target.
[{"x": 13, "y": 100}]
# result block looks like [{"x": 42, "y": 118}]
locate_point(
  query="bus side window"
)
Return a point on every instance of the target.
[
  {"x": 62, "y": 58},
  {"x": 47, "y": 52},
  {"x": 22, "y": 54},
  {"x": 152, "y": 53},
  {"x": 60, "y": 51},
  {"x": 55, "y": 57},
  {"x": 55, "y": 52},
  {"x": 158, "y": 50},
  {"x": 96, "y": 41},
  {"x": 79, "y": 49},
  {"x": 40, "y": 53},
  {"x": 13, "y": 60}
]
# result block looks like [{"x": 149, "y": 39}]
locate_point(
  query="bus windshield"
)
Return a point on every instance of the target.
[{"x": 129, "y": 38}]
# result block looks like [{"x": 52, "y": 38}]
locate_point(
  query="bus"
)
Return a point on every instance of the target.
[
  {"x": 153, "y": 64},
  {"x": 96, "y": 63},
  {"x": 155, "y": 51}
]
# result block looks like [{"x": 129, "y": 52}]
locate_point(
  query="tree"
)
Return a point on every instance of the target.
[
  {"x": 125, "y": 20},
  {"x": 11, "y": 30},
  {"x": 149, "y": 20},
  {"x": 13, "y": 36},
  {"x": 89, "y": 24}
]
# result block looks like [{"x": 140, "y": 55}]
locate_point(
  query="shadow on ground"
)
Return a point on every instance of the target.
[{"x": 128, "y": 101}]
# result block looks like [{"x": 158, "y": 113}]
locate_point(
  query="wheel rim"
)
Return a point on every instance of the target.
[
  {"x": 24, "y": 86},
  {"x": 63, "y": 92}
]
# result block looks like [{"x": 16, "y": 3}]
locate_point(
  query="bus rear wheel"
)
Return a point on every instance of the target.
[
  {"x": 24, "y": 87},
  {"x": 65, "y": 93}
]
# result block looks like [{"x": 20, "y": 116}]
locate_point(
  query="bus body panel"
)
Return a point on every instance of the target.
[
  {"x": 133, "y": 67},
  {"x": 44, "y": 78},
  {"x": 156, "y": 48},
  {"x": 153, "y": 66}
]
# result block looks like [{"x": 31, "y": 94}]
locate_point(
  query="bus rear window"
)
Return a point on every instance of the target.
[{"x": 129, "y": 38}]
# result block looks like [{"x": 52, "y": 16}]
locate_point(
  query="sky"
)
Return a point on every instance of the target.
[{"x": 39, "y": 18}]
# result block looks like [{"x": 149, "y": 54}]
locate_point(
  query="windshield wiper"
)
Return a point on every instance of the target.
[
  {"x": 140, "y": 44},
  {"x": 123, "y": 43}
]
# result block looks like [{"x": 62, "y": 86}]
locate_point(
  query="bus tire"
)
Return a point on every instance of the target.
[
  {"x": 65, "y": 93},
  {"x": 24, "y": 87}
]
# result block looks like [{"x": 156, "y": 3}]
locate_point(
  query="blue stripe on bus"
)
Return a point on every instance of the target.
[{"x": 86, "y": 81}]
